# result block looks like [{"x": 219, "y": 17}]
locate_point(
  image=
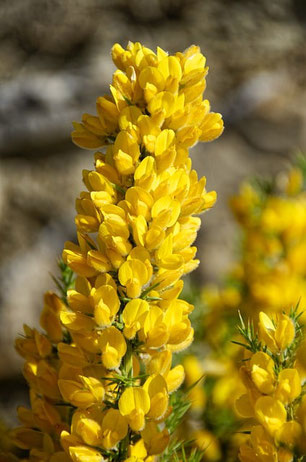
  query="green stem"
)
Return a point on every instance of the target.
[
  {"x": 127, "y": 367},
  {"x": 127, "y": 371}
]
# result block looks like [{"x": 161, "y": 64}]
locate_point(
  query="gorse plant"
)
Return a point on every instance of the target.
[
  {"x": 100, "y": 376},
  {"x": 269, "y": 276},
  {"x": 275, "y": 392}
]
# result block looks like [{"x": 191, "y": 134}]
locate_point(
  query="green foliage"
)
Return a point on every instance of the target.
[
  {"x": 65, "y": 281},
  {"x": 180, "y": 405},
  {"x": 249, "y": 335}
]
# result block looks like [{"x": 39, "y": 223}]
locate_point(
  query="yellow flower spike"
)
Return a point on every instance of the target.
[
  {"x": 156, "y": 387},
  {"x": 133, "y": 316},
  {"x": 155, "y": 441},
  {"x": 134, "y": 404},
  {"x": 289, "y": 386},
  {"x": 114, "y": 428},
  {"x": 262, "y": 371},
  {"x": 113, "y": 347},
  {"x": 135, "y": 230},
  {"x": 276, "y": 337},
  {"x": 106, "y": 303},
  {"x": 271, "y": 413}
]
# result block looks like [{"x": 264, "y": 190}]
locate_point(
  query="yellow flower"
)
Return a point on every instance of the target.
[
  {"x": 262, "y": 371},
  {"x": 114, "y": 428},
  {"x": 133, "y": 274},
  {"x": 289, "y": 433},
  {"x": 85, "y": 454},
  {"x": 133, "y": 316},
  {"x": 156, "y": 387},
  {"x": 138, "y": 450},
  {"x": 113, "y": 347},
  {"x": 155, "y": 440},
  {"x": 289, "y": 386},
  {"x": 279, "y": 337},
  {"x": 82, "y": 394},
  {"x": 134, "y": 404},
  {"x": 106, "y": 303},
  {"x": 49, "y": 318},
  {"x": 271, "y": 413}
]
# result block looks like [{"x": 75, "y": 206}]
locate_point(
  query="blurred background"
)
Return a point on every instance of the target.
[{"x": 54, "y": 62}]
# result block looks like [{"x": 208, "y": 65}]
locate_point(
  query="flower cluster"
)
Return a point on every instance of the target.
[
  {"x": 101, "y": 376},
  {"x": 275, "y": 394},
  {"x": 269, "y": 276},
  {"x": 273, "y": 216}
]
